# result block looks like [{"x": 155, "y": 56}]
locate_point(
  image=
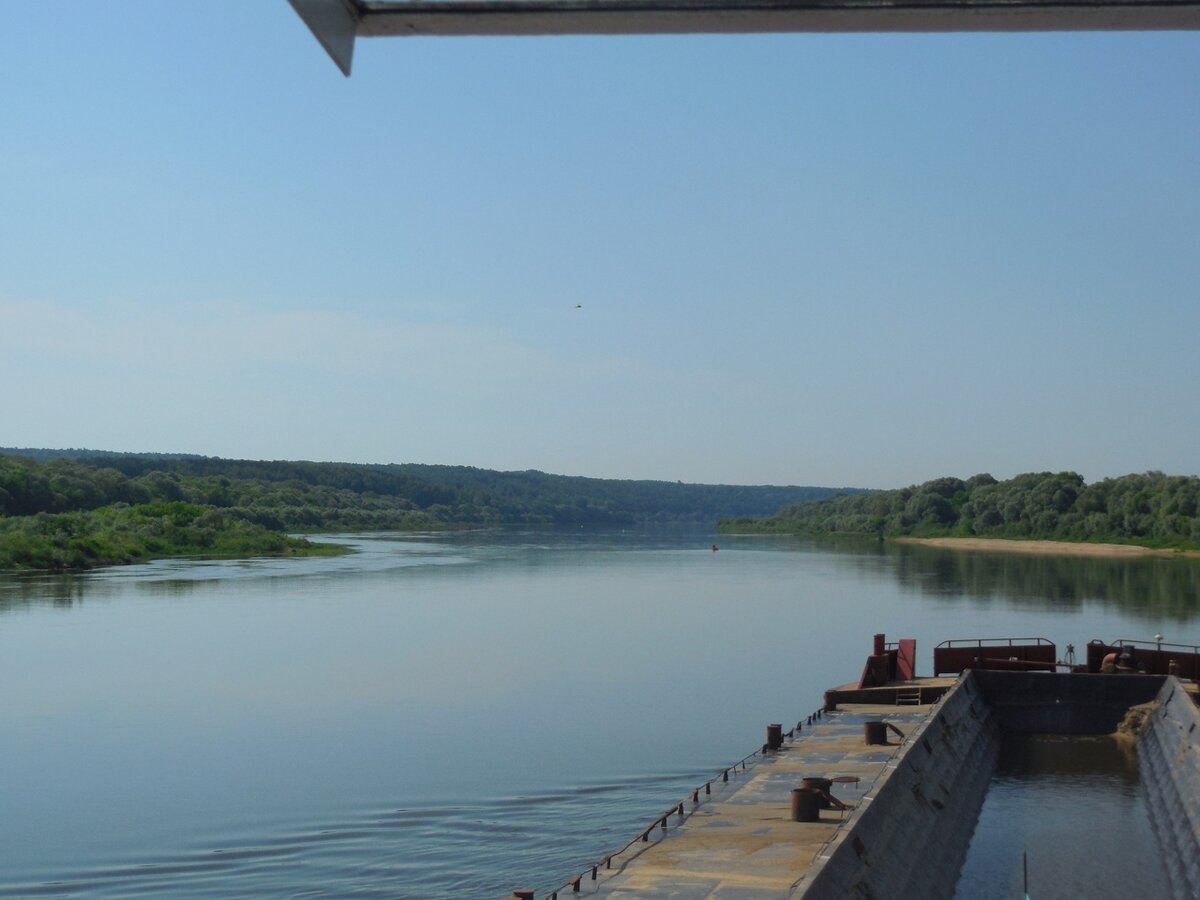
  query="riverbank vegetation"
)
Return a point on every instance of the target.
[
  {"x": 120, "y": 533},
  {"x": 1150, "y": 509},
  {"x": 72, "y": 509}
]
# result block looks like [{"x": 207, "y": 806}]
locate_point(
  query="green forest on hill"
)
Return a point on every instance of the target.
[
  {"x": 1150, "y": 509},
  {"x": 76, "y": 509}
]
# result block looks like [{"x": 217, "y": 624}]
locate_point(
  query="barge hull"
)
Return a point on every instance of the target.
[{"x": 908, "y": 830}]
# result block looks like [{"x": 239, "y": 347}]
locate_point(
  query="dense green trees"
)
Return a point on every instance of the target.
[
  {"x": 308, "y": 496},
  {"x": 123, "y": 534},
  {"x": 1152, "y": 509},
  {"x": 86, "y": 510},
  {"x": 273, "y": 496}
]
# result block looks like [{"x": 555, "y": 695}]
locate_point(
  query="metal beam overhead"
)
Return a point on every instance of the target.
[
  {"x": 334, "y": 23},
  {"x": 330, "y": 19}
]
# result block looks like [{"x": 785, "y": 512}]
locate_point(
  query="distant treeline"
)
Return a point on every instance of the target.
[
  {"x": 310, "y": 497},
  {"x": 1152, "y": 509}
]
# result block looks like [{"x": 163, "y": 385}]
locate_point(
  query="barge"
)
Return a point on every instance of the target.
[{"x": 876, "y": 793}]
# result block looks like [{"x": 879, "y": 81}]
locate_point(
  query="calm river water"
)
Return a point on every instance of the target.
[{"x": 456, "y": 715}]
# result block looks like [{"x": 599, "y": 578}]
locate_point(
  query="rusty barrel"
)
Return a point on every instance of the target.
[
  {"x": 875, "y": 731},
  {"x": 806, "y": 805},
  {"x": 822, "y": 786}
]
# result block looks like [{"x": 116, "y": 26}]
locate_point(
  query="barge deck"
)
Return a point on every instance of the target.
[
  {"x": 744, "y": 843},
  {"x": 877, "y": 795}
]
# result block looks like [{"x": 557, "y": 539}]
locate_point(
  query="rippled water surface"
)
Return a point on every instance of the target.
[{"x": 456, "y": 715}]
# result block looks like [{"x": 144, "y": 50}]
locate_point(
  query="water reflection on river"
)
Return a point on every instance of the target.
[
  {"x": 1066, "y": 816},
  {"x": 458, "y": 714}
]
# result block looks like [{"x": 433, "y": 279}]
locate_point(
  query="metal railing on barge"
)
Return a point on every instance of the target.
[
  {"x": 678, "y": 812},
  {"x": 1023, "y": 654}
]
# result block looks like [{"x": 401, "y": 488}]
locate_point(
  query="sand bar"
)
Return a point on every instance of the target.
[{"x": 1060, "y": 548}]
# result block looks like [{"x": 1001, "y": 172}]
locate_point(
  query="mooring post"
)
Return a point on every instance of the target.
[
  {"x": 875, "y": 732},
  {"x": 774, "y": 736}
]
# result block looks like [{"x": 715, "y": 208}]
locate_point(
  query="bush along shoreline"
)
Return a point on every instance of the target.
[
  {"x": 1150, "y": 510},
  {"x": 122, "y": 534}
]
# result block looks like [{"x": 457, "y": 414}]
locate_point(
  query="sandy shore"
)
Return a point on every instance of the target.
[{"x": 1061, "y": 548}]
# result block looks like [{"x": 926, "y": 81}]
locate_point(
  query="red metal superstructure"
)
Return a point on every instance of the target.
[
  {"x": 1149, "y": 657},
  {"x": 1003, "y": 654}
]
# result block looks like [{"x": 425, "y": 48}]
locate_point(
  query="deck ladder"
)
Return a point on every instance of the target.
[{"x": 908, "y": 696}]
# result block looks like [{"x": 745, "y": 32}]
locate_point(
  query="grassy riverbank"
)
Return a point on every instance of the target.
[{"x": 118, "y": 534}]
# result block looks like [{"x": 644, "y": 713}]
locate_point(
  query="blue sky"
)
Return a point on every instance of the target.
[{"x": 809, "y": 259}]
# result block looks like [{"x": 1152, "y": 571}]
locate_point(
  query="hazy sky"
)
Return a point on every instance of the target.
[{"x": 835, "y": 260}]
